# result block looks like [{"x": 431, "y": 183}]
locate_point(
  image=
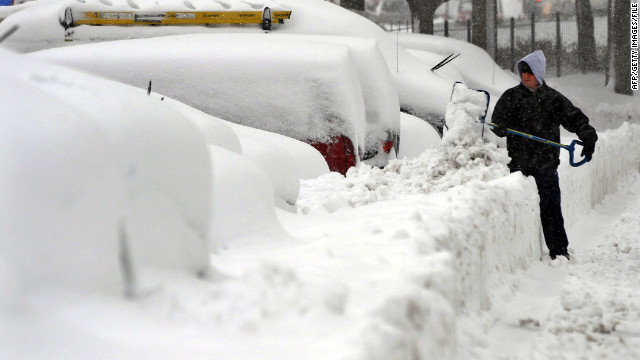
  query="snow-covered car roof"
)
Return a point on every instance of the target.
[
  {"x": 298, "y": 88},
  {"x": 474, "y": 64},
  {"x": 380, "y": 96},
  {"x": 420, "y": 91}
]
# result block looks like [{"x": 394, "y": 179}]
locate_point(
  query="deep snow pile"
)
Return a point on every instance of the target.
[
  {"x": 585, "y": 186},
  {"x": 82, "y": 189},
  {"x": 462, "y": 157},
  {"x": 384, "y": 281}
]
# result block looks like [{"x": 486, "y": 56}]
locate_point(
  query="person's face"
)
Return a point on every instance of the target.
[{"x": 529, "y": 80}]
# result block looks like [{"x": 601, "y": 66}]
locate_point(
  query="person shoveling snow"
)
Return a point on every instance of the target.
[{"x": 535, "y": 108}]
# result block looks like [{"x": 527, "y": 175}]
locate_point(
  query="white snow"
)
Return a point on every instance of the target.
[
  {"x": 285, "y": 160},
  {"x": 96, "y": 173},
  {"x": 305, "y": 90},
  {"x": 474, "y": 65},
  {"x": 420, "y": 91},
  {"x": 438, "y": 255},
  {"x": 243, "y": 201},
  {"x": 270, "y": 89},
  {"x": 417, "y": 136}
]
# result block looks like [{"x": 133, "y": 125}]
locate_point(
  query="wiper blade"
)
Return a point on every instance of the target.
[{"x": 444, "y": 62}]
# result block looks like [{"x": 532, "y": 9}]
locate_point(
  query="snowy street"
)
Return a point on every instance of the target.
[
  {"x": 585, "y": 309},
  {"x": 301, "y": 193}
]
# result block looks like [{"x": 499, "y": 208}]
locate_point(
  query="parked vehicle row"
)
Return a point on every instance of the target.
[{"x": 327, "y": 92}]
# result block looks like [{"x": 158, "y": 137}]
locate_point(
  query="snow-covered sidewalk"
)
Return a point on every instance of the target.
[{"x": 584, "y": 309}]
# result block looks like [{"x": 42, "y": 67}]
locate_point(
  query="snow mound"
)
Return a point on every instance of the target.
[
  {"x": 417, "y": 136},
  {"x": 98, "y": 182},
  {"x": 239, "y": 182},
  {"x": 585, "y": 186},
  {"x": 462, "y": 157}
]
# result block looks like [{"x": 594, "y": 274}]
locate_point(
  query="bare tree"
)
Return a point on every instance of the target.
[
  {"x": 353, "y": 4},
  {"x": 424, "y": 11},
  {"x": 479, "y": 23},
  {"x": 586, "y": 37},
  {"x": 622, "y": 47}
]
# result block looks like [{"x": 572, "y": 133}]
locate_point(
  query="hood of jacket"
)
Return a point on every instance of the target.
[{"x": 537, "y": 62}]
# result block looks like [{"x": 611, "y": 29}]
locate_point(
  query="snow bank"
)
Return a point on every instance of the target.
[
  {"x": 424, "y": 266},
  {"x": 285, "y": 160},
  {"x": 278, "y": 164},
  {"x": 485, "y": 218},
  {"x": 216, "y": 131},
  {"x": 243, "y": 205},
  {"x": 486, "y": 230},
  {"x": 416, "y": 136},
  {"x": 98, "y": 174},
  {"x": 62, "y": 196},
  {"x": 585, "y": 186},
  {"x": 309, "y": 162}
]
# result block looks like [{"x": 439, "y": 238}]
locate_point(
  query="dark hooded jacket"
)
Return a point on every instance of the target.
[{"x": 538, "y": 113}]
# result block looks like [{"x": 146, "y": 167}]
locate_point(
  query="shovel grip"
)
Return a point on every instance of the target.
[{"x": 572, "y": 147}]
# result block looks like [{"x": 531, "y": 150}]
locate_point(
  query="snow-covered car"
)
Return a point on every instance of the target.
[
  {"x": 382, "y": 107},
  {"x": 98, "y": 183},
  {"x": 284, "y": 160},
  {"x": 474, "y": 67},
  {"x": 420, "y": 92},
  {"x": 305, "y": 88},
  {"x": 102, "y": 182}
]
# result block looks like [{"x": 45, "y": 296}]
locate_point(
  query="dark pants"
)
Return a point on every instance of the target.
[{"x": 550, "y": 209}]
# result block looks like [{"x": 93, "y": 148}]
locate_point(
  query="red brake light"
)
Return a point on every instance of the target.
[{"x": 388, "y": 145}]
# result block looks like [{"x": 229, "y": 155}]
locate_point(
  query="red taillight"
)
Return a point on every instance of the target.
[
  {"x": 388, "y": 145},
  {"x": 338, "y": 153}
]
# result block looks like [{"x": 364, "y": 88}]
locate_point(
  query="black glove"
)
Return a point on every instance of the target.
[{"x": 588, "y": 147}]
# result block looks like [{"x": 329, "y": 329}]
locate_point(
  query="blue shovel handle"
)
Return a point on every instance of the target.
[{"x": 572, "y": 147}]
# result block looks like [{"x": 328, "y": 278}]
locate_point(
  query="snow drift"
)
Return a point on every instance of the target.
[{"x": 98, "y": 167}]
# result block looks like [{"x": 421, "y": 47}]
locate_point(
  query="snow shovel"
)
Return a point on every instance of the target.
[
  {"x": 571, "y": 147},
  {"x": 484, "y": 104}
]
